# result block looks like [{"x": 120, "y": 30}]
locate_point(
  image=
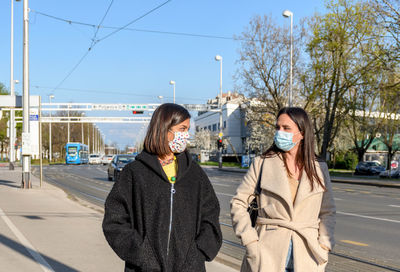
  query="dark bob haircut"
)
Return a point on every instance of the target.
[{"x": 164, "y": 117}]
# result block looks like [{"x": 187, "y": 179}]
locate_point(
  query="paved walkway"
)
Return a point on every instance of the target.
[{"x": 41, "y": 229}]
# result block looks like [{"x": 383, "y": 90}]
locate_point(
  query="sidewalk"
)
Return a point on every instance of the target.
[{"x": 42, "y": 229}]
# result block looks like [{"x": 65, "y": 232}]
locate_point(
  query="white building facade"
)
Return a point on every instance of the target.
[{"x": 233, "y": 129}]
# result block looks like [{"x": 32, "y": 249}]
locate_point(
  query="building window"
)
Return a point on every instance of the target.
[
  {"x": 219, "y": 126},
  {"x": 205, "y": 128},
  {"x": 214, "y": 127},
  {"x": 197, "y": 129},
  {"x": 209, "y": 127},
  {"x": 224, "y": 124}
]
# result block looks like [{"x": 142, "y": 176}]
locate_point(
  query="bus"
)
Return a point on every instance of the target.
[{"x": 76, "y": 153}]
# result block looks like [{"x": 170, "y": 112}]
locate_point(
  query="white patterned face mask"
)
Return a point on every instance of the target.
[{"x": 178, "y": 144}]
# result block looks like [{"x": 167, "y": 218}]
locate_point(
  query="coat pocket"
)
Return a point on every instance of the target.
[
  {"x": 195, "y": 259},
  {"x": 146, "y": 259}
]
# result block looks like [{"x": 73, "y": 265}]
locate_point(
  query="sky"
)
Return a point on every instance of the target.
[{"x": 131, "y": 66}]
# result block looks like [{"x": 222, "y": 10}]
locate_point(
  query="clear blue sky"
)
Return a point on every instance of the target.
[{"x": 131, "y": 66}]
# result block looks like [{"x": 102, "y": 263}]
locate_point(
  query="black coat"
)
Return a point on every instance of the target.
[{"x": 137, "y": 217}]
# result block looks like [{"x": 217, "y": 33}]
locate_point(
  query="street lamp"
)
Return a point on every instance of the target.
[
  {"x": 161, "y": 98},
  {"x": 68, "y": 122},
  {"x": 83, "y": 139},
  {"x": 12, "y": 81},
  {"x": 50, "y": 145},
  {"x": 173, "y": 83},
  {"x": 288, "y": 13},
  {"x": 220, "y": 134}
]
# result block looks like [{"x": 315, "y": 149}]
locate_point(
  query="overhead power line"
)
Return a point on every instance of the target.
[
  {"x": 94, "y": 41},
  {"x": 137, "y": 29},
  {"x": 102, "y": 20}
]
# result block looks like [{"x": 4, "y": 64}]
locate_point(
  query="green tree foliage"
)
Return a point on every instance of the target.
[
  {"x": 3, "y": 124},
  {"x": 342, "y": 53}
]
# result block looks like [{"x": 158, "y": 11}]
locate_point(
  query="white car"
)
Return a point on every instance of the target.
[
  {"x": 94, "y": 159},
  {"x": 106, "y": 159}
]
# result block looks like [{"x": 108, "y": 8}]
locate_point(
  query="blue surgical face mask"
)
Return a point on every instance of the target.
[{"x": 284, "y": 140}]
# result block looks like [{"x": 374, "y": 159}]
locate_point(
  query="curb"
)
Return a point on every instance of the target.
[{"x": 377, "y": 183}]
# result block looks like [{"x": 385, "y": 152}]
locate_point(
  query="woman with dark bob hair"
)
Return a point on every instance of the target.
[
  {"x": 162, "y": 213},
  {"x": 296, "y": 212}
]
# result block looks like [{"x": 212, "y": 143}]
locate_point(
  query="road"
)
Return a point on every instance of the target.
[{"x": 368, "y": 217}]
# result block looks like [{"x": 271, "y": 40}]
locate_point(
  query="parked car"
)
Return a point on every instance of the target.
[
  {"x": 390, "y": 174},
  {"x": 94, "y": 159},
  {"x": 368, "y": 168},
  {"x": 117, "y": 164},
  {"x": 106, "y": 159}
]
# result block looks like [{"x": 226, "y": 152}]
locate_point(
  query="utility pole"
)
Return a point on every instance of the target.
[
  {"x": 26, "y": 152},
  {"x": 12, "y": 92}
]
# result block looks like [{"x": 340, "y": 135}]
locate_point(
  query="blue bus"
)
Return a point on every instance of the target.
[{"x": 76, "y": 153}]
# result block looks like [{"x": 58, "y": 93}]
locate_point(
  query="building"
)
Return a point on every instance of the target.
[{"x": 233, "y": 129}]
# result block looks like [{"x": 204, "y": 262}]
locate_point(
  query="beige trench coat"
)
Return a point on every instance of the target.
[{"x": 309, "y": 222}]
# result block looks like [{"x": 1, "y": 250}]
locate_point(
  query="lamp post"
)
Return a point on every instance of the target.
[
  {"x": 12, "y": 92},
  {"x": 26, "y": 145},
  {"x": 173, "y": 83},
  {"x": 161, "y": 98},
  {"x": 68, "y": 123},
  {"x": 83, "y": 136},
  {"x": 50, "y": 144},
  {"x": 288, "y": 13},
  {"x": 220, "y": 134}
]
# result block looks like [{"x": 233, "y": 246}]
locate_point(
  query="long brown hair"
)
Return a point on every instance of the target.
[
  {"x": 164, "y": 117},
  {"x": 305, "y": 158}
]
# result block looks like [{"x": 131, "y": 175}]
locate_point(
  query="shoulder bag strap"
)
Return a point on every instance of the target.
[{"x": 258, "y": 187}]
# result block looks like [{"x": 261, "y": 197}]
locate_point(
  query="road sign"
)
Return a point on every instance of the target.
[{"x": 33, "y": 117}]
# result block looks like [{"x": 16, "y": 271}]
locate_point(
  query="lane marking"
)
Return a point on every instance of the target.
[
  {"x": 336, "y": 198},
  {"x": 220, "y": 184},
  {"x": 349, "y": 190},
  {"x": 365, "y": 192},
  {"x": 354, "y": 243},
  {"x": 225, "y": 194},
  {"x": 28, "y": 246},
  {"x": 369, "y": 217},
  {"x": 394, "y": 206}
]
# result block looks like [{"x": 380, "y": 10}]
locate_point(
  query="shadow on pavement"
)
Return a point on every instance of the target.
[
  {"x": 9, "y": 183},
  {"x": 56, "y": 265}
]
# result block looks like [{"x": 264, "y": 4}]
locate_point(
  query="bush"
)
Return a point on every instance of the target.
[{"x": 346, "y": 160}]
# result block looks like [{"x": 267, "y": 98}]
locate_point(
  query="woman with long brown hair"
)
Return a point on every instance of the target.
[{"x": 296, "y": 211}]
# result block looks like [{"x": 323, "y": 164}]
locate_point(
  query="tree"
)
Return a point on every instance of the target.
[
  {"x": 202, "y": 139},
  {"x": 3, "y": 124},
  {"x": 342, "y": 52},
  {"x": 265, "y": 63},
  {"x": 264, "y": 75}
]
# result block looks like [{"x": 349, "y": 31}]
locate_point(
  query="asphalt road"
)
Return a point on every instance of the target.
[{"x": 368, "y": 217}]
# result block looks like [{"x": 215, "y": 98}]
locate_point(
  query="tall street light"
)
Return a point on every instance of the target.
[
  {"x": 50, "y": 144},
  {"x": 288, "y": 13},
  {"x": 68, "y": 123},
  {"x": 220, "y": 134},
  {"x": 26, "y": 145},
  {"x": 12, "y": 92},
  {"x": 173, "y": 83},
  {"x": 83, "y": 139}
]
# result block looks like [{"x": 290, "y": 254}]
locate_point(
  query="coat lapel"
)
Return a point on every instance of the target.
[
  {"x": 304, "y": 190},
  {"x": 274, "y": 179}
]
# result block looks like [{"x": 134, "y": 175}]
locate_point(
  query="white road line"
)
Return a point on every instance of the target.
[
  {"x": 336, "y": 198},
  {"x": 43, "y": 264},
  {"x": 394, "y": 206},
  {"x": 224, "y": 194},
  {"x": 220, "y": 184},
  {"x": 369, "y": 217}
]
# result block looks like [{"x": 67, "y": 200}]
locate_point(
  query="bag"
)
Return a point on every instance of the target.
[{"x": 252, "y": 207}]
